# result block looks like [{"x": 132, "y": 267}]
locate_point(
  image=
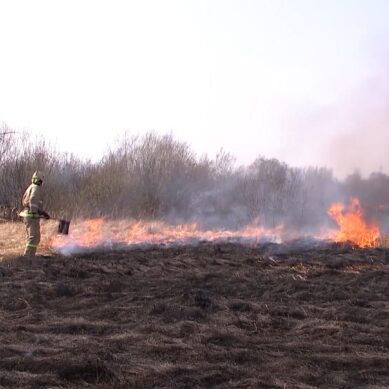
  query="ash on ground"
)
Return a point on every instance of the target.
[{"x": 208, "y": 315}]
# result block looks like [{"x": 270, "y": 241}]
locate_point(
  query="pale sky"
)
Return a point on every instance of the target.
[{"x": 282, "y": 79}]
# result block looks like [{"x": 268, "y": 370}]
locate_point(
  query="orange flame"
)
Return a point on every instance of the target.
[
  {"x": 352, "y": 226},
  {"x": 100, "y": 232}
]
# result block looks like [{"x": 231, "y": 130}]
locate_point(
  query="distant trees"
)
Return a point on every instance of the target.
[{"x": 157, "y": 176}]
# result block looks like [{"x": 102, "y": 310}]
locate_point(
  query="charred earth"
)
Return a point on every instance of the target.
[{"x": 211, "y": 315}]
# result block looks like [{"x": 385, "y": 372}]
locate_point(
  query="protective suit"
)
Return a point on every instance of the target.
[{"x": 32, "y": 213}]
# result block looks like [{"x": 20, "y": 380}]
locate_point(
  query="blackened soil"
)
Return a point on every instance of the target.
[{"x": 223, "y": 316}]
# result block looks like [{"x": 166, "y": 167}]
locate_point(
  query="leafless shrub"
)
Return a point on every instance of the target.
[{"x": 157, "y": 176}]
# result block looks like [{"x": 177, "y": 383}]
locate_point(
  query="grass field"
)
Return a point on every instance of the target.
[{"x": 211, "y": 315}]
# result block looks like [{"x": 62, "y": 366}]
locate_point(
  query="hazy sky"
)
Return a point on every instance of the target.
[{"x": 300, "y": 80}]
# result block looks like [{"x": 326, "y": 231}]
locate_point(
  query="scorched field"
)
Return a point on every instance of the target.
[{"x": 208, "y": 315}]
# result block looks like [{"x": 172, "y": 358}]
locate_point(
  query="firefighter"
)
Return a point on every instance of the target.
[{"x": 33, "y": 212}]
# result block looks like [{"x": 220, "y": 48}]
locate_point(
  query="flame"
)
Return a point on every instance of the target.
[
  {"x": 102, "y": 233},
  {"x": 352, "y": 226},
  {"x": 105, "y": 233}
]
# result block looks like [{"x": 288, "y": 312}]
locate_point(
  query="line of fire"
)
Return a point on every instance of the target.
[{"x": 350, "y": 227}]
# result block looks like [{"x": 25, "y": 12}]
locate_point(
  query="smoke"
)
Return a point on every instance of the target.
[
  {"x": 348, "y": 137},
  {"x": 361, "y": 137},
  {"x": 349, "y": 133}
]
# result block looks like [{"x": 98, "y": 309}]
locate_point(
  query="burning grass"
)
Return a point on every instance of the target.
[
  {"x": 88, "y": 235},
  {"x": 352, "y": 226},
  {"x": 211, "y": 315},
  {"x": 93, "y": 233}
]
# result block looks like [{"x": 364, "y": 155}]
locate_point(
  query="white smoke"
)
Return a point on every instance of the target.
[{"x": 362, "y": 132}]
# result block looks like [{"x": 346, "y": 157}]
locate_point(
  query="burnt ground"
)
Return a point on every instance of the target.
[{"x": 223, "y": 316}]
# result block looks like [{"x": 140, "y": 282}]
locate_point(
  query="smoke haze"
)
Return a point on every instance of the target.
[
  {"x": 352, "y": 135},
  {"x": 362, "y": 137}
]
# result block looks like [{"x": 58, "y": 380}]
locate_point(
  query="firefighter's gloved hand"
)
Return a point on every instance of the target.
[{"x": 45, "y": 215}]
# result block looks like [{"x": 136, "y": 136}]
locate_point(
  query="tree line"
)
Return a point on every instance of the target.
[{"x": 154, "y": 176}]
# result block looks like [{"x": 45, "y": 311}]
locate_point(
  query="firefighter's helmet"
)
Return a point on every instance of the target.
[{"x": 37, "y": 177}]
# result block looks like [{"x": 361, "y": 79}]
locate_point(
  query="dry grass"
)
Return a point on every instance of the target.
[
  {"x": 223, "y": 316},
  {"x": 13, "y": 238}
]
